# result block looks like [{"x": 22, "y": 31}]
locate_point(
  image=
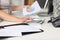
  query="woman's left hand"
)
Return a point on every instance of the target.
[{"x": 19, "y": 7}]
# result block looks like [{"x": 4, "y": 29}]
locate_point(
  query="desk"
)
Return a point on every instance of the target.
[{"x": 50, "y": 33}]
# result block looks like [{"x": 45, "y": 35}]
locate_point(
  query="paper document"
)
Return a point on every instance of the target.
[
  {"x": 24, "y": 28},
  {"x": 10, "y": 32},
  {"x": 35, "y": 8},
  {"x": 17, "y": 30}
]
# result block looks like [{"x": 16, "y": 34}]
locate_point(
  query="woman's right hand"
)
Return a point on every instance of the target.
[{"x": 26, "y": 19}]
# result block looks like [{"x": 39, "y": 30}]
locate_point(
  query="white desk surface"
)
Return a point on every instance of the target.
[{"x": 50, "y": 33}]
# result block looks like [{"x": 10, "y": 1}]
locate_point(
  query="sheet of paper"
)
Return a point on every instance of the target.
[
  {"x": 24, "y": 28},
  {"x": 10, "y": 32},
  {"x": 17, "y": 30},
  {"x": 35, "y": 8}
]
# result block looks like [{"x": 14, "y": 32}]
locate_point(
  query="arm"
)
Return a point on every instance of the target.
[
  {"x": 8, "y": 17},
  {"x": 19, "y": 7}
]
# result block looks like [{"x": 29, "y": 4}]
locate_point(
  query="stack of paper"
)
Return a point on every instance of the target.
[{"x": 17, "y": 30}]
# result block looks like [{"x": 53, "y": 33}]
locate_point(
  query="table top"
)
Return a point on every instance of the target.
[{"x": 50, "y": 33}]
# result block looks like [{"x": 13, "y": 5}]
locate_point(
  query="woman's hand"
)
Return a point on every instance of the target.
[
  {"x": 19, "y": 7},
  {"x": 26, "y": 19}
]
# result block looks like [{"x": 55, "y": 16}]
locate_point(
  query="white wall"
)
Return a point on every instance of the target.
[
  {"x": 14, "y": 2},
  {"x": 18, "y": 2}
]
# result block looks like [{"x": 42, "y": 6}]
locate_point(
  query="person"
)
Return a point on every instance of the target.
[{"x": 6, "y": 16}]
